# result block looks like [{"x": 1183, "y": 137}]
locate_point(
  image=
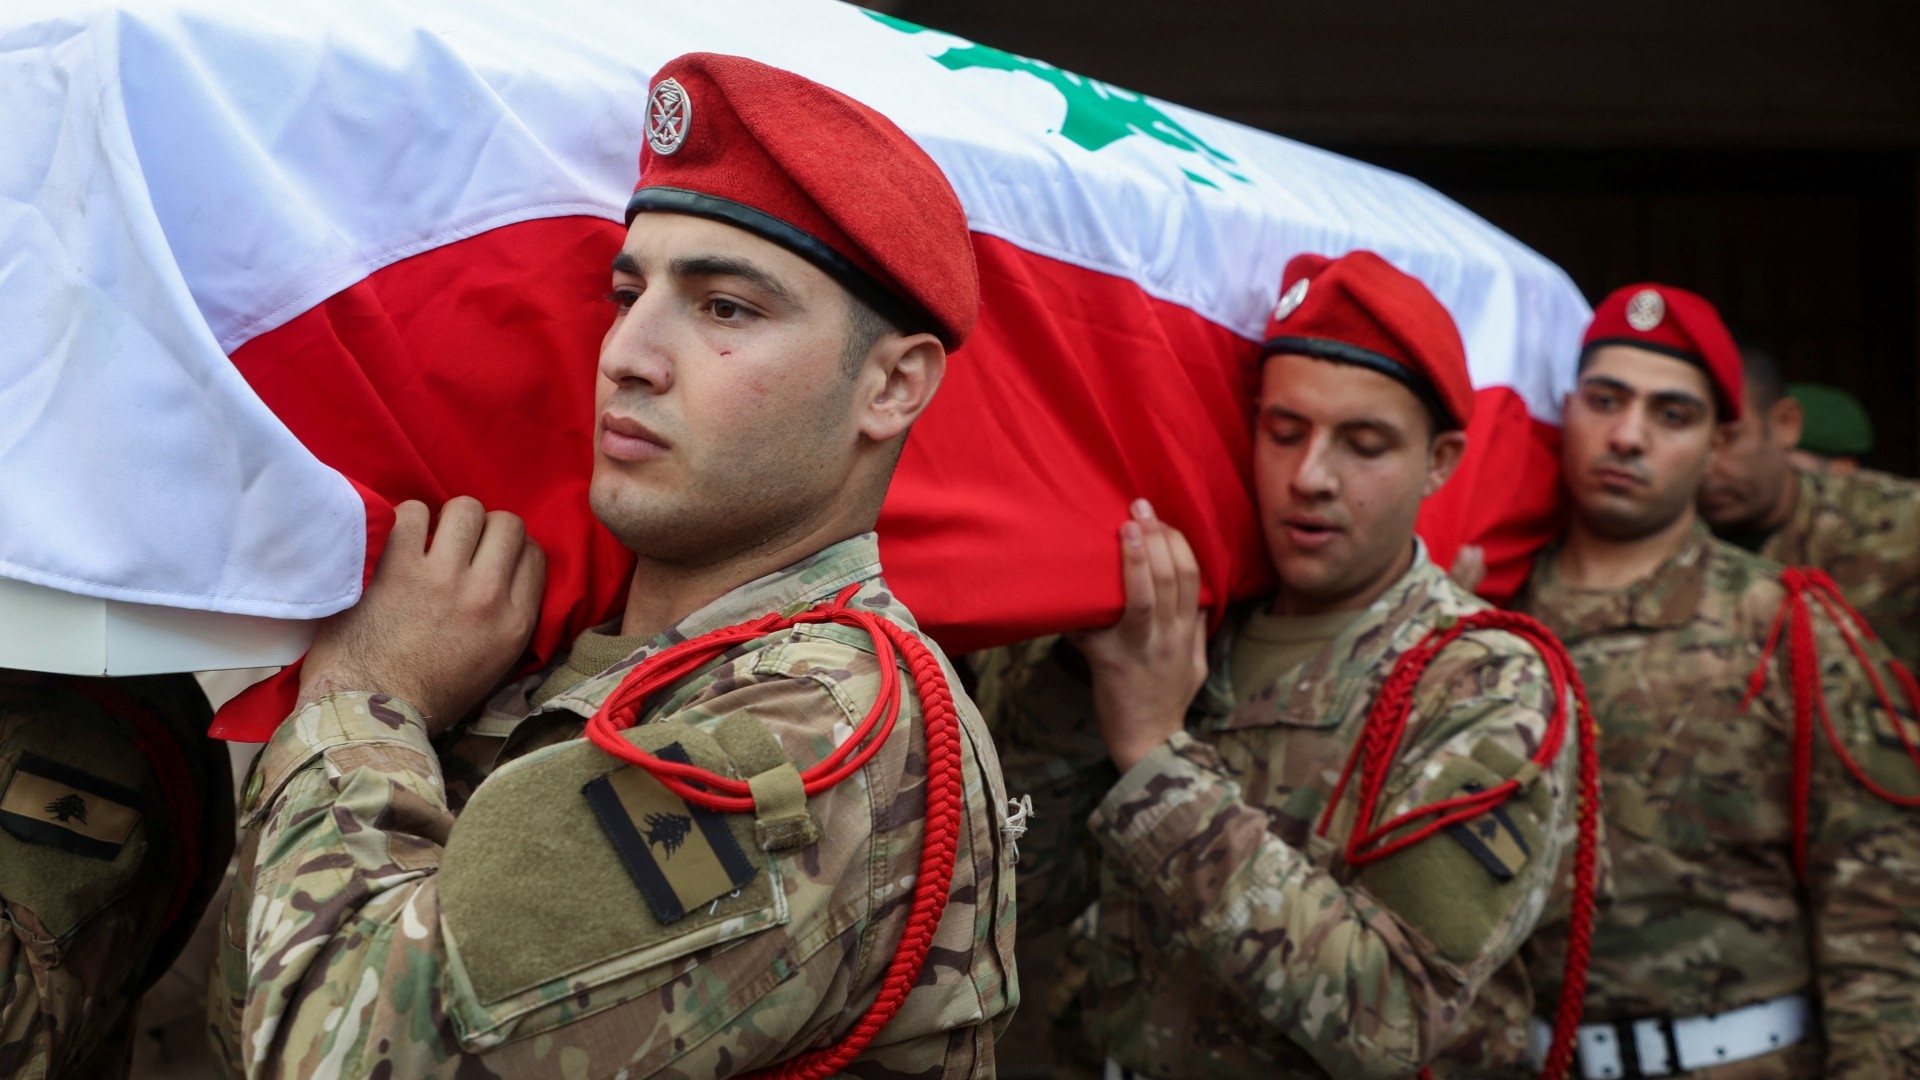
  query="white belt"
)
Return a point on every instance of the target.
[
  {"x": 1113, "y": 1070},
  {"x": 1661, "y": 1047}
]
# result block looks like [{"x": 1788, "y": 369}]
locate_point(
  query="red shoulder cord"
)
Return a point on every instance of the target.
[
  {"x": 1795, "y": 617},
  {"x": 726, "y": 795},
  {"x": 1379, "y": 746},
  {"x": 170, "y": 773}
]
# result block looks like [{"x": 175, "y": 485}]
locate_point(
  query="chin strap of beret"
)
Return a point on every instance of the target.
[
  {"x": 724, "y": 794},
  {"x": 1379, "y": 746},
  {"x": 1795, "y": 620}
]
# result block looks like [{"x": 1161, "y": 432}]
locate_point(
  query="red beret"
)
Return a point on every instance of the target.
[
  {"x": 818, "y": 173},
  {"x": 1357, "y": 309},
  {"x": 1678, "y": 323}
]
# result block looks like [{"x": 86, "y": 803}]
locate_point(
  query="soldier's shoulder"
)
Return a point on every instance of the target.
[
  {"x": 1483, "y": 661},
  {"x": 1875, "y": 505},
  {"x": 1744, "y": 591},
  {"x": 1447, "y": 603},
  {"x": 1866, "y": 487},
  {"x": 1735, "y": 572}
]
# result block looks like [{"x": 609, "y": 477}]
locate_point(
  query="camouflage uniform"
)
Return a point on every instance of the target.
[
  {"x": 1864, "y": 530},
  {"x": 1707, "y": 914},
  {"x": 1229, "y": 940},
  {"x": 374, "y": 933},
  {"x": 91, "y": 855}
]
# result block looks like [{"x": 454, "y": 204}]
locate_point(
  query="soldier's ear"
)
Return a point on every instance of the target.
[
  {"x": 901, "y": 376},
  {"x": 1787, "y": 420},
  {"x": 1443, "y": 457}
]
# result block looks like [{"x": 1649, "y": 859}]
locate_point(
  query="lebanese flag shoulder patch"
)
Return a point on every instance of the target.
[{"x": 56, "y": 805}]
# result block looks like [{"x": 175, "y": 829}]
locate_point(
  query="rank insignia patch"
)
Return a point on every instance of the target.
[
  {"x": 680, "y": 856},
  {"x": 59, "y": 806},
  {"x": 1493, "y": 839}
]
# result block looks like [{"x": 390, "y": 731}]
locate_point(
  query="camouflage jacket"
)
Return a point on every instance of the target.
[
  {"x": 1229, "y": 938},
  {"x": 374, "y": 933},
  {"x": 92, "y": 855},
  {"x": 1707, "y": 913},
  {"x": 1864, "y": 530}
]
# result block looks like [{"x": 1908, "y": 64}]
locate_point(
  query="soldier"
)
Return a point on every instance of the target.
[
  {"x": 1243, "y": 927},
  {"x": 116, "y": 825},
  {"x": 1719, "y": 956},
  {"x": 1835, "y": 430},
  {"x": 424, "y": 897},
  {"x": 1861, "y": 527}
]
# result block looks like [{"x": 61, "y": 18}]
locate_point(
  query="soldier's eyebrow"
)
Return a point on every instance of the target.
[
  {"x": 1676, "y": 397},
  {"x": 1609, "y": 383},
  {"x": 1655, "y": 397},
  {"x": 710, "y": 266},
  {"x": 624, "y": 263},
  {"x": 1364, "y": 423}
]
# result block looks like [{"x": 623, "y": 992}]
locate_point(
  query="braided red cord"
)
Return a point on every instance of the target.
[
  {"x": 1379, "y": 746},
  {"x": 170, "y": 771},
  {"x": 726, "y": 795},
  {"x": 1795, "y": 618}
]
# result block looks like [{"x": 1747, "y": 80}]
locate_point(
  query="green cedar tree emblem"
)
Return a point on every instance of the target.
[{"x": 1098, "y": 114}]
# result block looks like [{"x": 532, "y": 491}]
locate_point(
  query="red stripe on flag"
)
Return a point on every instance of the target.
[
  {"x": 466, "y": 370},
  {"x": 1077, "y": 393},
  {"x": 469, "y": 370},
  {"x": 1505, "y": 496}
]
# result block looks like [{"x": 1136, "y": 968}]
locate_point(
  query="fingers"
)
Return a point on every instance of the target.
[
  {"x": 1171, "y": 564},
  {"x": 462, "y": 522},
  {"x": 1136, "y": 573},
  {"x": 529, "y": 583},
  {"x": 409, "y": 533},
  {"x": 1159, "y": 549},
  {"x": 1186, "y": 569},
  {"x": 1469, "y": 567},
  {"x": 497, "y": 552}
]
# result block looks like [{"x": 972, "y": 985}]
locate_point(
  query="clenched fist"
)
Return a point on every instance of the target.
[{"x": 444, "y": 618}]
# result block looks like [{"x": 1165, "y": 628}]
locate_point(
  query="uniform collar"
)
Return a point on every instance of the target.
[
  {"x": 789, "y": 590},
  {"x": 1667, "y": 598},
  {"x": 1397, "y": 619}
]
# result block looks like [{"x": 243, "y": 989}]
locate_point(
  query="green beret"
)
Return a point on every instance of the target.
[{"x": 1837, "y": 424}]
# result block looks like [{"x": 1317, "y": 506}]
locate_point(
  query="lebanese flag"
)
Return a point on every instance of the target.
[{"x": 267, "y": 270}]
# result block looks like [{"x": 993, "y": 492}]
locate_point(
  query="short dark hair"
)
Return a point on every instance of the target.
[
  {"x": 1762, "y": 369},
  {"x": 865, "y": 326}
]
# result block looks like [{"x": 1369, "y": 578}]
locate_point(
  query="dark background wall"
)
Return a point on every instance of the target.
[{"x": 1765, "y": 153}]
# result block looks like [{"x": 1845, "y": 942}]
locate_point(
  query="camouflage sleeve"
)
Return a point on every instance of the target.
[
  {"x": 1038, "y": 705},
  {"x": 1864, "y": 879},
  {"x": 1367, "y": 977},
  {"x": 346, "y": 819}
]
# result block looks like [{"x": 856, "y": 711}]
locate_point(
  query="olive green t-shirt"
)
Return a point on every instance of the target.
[
  {"x": 1269, "y": 646},
  {"x": 594, "y": 651}
]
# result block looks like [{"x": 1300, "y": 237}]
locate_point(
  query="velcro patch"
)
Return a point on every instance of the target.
[
  {"x": 1493, "y": 839},
  {"x": 59, "y": 806},
  {"x": 680, "y": 856}
]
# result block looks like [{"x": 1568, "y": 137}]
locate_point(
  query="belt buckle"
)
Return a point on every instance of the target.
[{"x": 1628, "y": 1035}]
